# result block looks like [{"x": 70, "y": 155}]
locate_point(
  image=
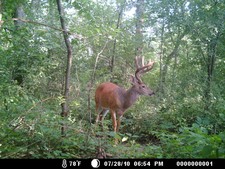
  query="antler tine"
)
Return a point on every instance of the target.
[
  {"x": 137, "y": 72},
  {"x": 136, "y": 62},
  {"x": 141, "y": 69},
  {"x": 148, "y": 67},
  {"x": 142, "y": 61}
]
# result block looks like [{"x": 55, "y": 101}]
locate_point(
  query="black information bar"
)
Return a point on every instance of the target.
[{"x": 102, "y": 163}]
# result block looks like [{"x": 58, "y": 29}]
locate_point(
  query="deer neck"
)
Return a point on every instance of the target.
[{"x": 130, "y": 97}]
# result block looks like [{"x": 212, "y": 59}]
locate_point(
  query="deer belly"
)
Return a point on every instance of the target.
[
  {"x": 108, "y": 96},
  {"x": 109, "y": 104}
]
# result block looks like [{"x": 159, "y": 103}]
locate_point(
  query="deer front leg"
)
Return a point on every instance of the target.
[
  {"x": 120, "y": 115},
  {"x": 118, "y": 124},
  {"x": 113, "y": 116}
]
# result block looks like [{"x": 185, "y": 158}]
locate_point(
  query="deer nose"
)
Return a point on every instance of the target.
[{"x": 153, "y": 93}]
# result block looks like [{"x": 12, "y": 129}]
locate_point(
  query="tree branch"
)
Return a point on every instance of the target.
[{"x": 77, "y": 36}]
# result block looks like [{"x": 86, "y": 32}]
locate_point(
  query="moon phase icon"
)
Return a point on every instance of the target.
[{"x": 95, "y": 163}]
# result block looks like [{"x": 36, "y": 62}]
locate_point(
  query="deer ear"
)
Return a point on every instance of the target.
[{"x": 133, "y": 80}]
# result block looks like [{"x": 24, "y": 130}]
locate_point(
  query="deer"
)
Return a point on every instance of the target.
[{"x": 113, "y": 98}]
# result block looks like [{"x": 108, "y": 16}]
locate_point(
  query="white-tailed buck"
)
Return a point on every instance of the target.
[{"x": 109, "y": 96}]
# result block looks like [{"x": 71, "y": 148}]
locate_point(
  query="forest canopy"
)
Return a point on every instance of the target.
[{"x": 54, "y": 54}]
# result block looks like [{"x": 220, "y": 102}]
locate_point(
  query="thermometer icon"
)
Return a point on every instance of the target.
[{"x": 64, "y": 164}]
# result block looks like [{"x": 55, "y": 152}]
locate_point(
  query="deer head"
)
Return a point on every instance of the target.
[{"x": 136, "y": 81}]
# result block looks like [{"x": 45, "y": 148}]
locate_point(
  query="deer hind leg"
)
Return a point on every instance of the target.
[
  {"x": 100, "y": 117},
  {"x": 102, "y": 114}
]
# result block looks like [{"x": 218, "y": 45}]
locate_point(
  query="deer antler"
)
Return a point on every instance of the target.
[{"x": 141, "y": 68}]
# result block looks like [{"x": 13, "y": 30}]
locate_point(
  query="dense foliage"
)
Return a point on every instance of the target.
[{"x": 186, "y": 117}]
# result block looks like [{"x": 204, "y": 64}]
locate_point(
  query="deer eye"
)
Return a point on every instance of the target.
[{"x": 143, "y": 86}]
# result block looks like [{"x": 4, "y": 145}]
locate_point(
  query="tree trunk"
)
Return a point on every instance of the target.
[
  {"x": 1, "y": 8},
  {"x": 19, "y": 13},
  {"x": 167, "y": 59},
  {"x": 64, "y": 105},
  {"x": 91, "y": 83},
  {"x": 18, "y": 72},
  {"x": 211, "y": 55},
  {"x": 139, "y": 26},
  {"x": 114, "y": 43},
  {"x": 161, "y": 56}
]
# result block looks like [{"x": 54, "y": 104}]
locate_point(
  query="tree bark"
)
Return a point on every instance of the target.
[
  {"x": 114, "y": 43},
  {"x": 65, "y": 104},
  {"x": 139, "y": 26},
  {"x": 167, "y": 59},
  {"x": 19, "y": 13},
  {"x": 18, "y": 72},
  {"x": 210, "y": 62},
  {"x": 1, "y": 8},
  {"x": 161, "y": 56}
]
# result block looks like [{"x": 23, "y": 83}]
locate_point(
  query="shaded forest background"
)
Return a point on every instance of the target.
[{"x": 51, "y": 62}]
